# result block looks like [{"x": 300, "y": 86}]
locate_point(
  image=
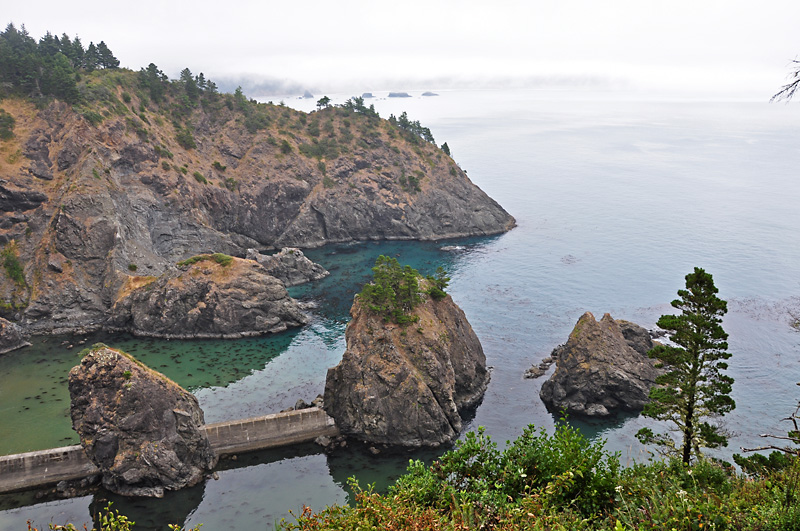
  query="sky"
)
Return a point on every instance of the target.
[{"x": 697, "y": 48}]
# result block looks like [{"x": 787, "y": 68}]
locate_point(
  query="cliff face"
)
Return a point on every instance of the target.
[
  {"x": 602, "y": 368},
  {"x": 141, "y": 429},
  {"x": 89, "y": 205},
  {"x": 406, "y": 385}
]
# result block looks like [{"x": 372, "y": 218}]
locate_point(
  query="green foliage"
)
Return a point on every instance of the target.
[
  {"x": 219, "y": 167},
  {"x": 410, "y": 183},
  {"x": 185, "y": 138},
  {"x": 132, "y": 267},
  {"x": 165, "y": 165},
  {"x": 231, "y": 183},
  {"x": 12, "y": 265},
  {"x": 393, "y": 292},
  {"x": 6, "y": 125},
  {"x": 199, "y": 177},
  {"x": 438, "y": 284},
  {"x": 222, "y": 259},
  {"x": 323, "y": 102},
  {"x": 93, "y": 117},
  {"x": 286, "y": 148},
  {"x": 446, "y": 149},
  {"x": 325, "y": 148},
  {"x": 693, "y": 387}
]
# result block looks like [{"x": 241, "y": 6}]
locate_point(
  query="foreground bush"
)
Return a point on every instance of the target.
[{"x": 565, "y": 482}]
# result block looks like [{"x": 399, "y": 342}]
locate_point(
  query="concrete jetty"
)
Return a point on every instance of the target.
[{"x": 47, "y": 467}]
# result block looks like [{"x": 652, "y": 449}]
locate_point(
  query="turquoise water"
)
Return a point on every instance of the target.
[{"x": 616, "y": 200}]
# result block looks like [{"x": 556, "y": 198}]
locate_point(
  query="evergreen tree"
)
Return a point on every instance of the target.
[
  {"x": 189, "y": 84},
  {"x": 106, "y": 59},
  {"x": 91, "y": 59},
  {"x": 154, "y": 80},
  {"x": 693, "y": 387},
  {"x": 446, "y": 149}
]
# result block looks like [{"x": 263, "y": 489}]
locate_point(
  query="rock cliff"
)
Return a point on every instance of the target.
[
  {"x": 11, "y": 337},
  {"x": 208, "y": 296},
  {"x": 289, "y": 265},
  {"x": 602, "y": 368},
  {"x": 123, "y": 183},
  {"x": 407, "y": 385},
  {"x": 139, "y": 428}
]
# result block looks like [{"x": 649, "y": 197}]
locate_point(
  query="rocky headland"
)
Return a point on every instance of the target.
[
  {"x": 602, "y": 368},
  {"x": 407, "y": 385},
  {"x": 124, "y": 185},
  {"x": 141, "y": 429},
  {"x": 207, "y": 296}
]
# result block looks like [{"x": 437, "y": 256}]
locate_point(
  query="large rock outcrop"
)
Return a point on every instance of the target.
[
  {"x": 87, "y": 202},
  {"x": 11, "y": 337},
  {"x": 211, "y": 296},
  {"x": 407, "y": 385},
  {"x": 289, "y": 265},
  {"x": 141, "y": 429},
  {"x": 601, "y": 369}
]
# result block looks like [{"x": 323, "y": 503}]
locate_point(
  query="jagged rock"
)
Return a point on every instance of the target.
[
  {"x": 407, "y": 385},
  {"x": 207, "y": 299},
  {"x": 141, "y": 429},
  {"x": 11, "y": 337},
  {"x": 602, "y": 368},
  {"x": 289, "y": 265}
]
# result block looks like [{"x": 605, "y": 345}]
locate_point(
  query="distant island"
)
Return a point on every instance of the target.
[{"x": 399, "y": 95}]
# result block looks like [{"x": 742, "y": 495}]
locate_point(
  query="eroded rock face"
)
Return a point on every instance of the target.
[
  {"x": 207, "y": 299},
  {"x": 289, "y": 265},
  {"x": 602, "y": 368},
  {"x": 139, "y": 427},
  {"x": 407, "y": 385},
  {"x": 11, "y": 337}
]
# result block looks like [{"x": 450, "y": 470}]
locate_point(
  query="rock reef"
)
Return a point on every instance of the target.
[
  {"x": 210, "y": 296},
  {"x": 602, "y": 368},
  {"x": 407, "y": 386},
  {"x": 141, "y": 429}
]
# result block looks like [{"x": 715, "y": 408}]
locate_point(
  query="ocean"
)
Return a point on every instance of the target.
[{"x": 617, "y": 197}]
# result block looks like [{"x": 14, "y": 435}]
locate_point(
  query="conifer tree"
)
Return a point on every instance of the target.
[{"x": 693, "y": 389}]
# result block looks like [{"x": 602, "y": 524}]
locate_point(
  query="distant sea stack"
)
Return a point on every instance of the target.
[
  {"x": 119, "y": 187},
  {"x": 399, "y": 95},
  {"x": 141, "y": 429},
  {"x": 407, "y": 385},
  {"x": 602, "y": 368}
]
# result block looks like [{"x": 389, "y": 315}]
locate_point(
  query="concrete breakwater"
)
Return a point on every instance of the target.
[{"x": 46, "y": 467}]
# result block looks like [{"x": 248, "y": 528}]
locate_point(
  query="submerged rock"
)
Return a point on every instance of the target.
[
  {"x": 289, "y": 265},
  {"x": 141, "y": 429},
  {"x": 207, "y": 299},
  {"x": 11, "y": 337},
  {"x": 407, "y": 385},
  {"x": 602, "y": 368}
]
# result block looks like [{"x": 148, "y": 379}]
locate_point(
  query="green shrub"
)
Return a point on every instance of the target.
[
  {"x": 132, "y": 267},
  {"x": 126, "y": 97},
  {"x": 92, "y": 117},
  {"x": 393, "y": 292},
  {"x": 217, "y": 166},
  {"x": 199, "y": 177},
  {"x": 12, "y": 265},
  {"x": 286, "y": 148},
  {"x": 165, "y": 165},
  {"x": 6, "y": 125},
  {"x": 231, "y": 184},
  {"x": 185, "y": 138},
  {"x": 222, "y": 259}
]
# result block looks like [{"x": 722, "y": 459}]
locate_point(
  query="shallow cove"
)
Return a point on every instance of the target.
[{"x": 616, "y": 200}]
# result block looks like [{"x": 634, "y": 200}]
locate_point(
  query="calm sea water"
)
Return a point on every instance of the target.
[{"x": 617, "y": 198}]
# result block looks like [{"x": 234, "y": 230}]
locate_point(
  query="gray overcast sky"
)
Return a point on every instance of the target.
[{"x": 706, "y": 47}]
